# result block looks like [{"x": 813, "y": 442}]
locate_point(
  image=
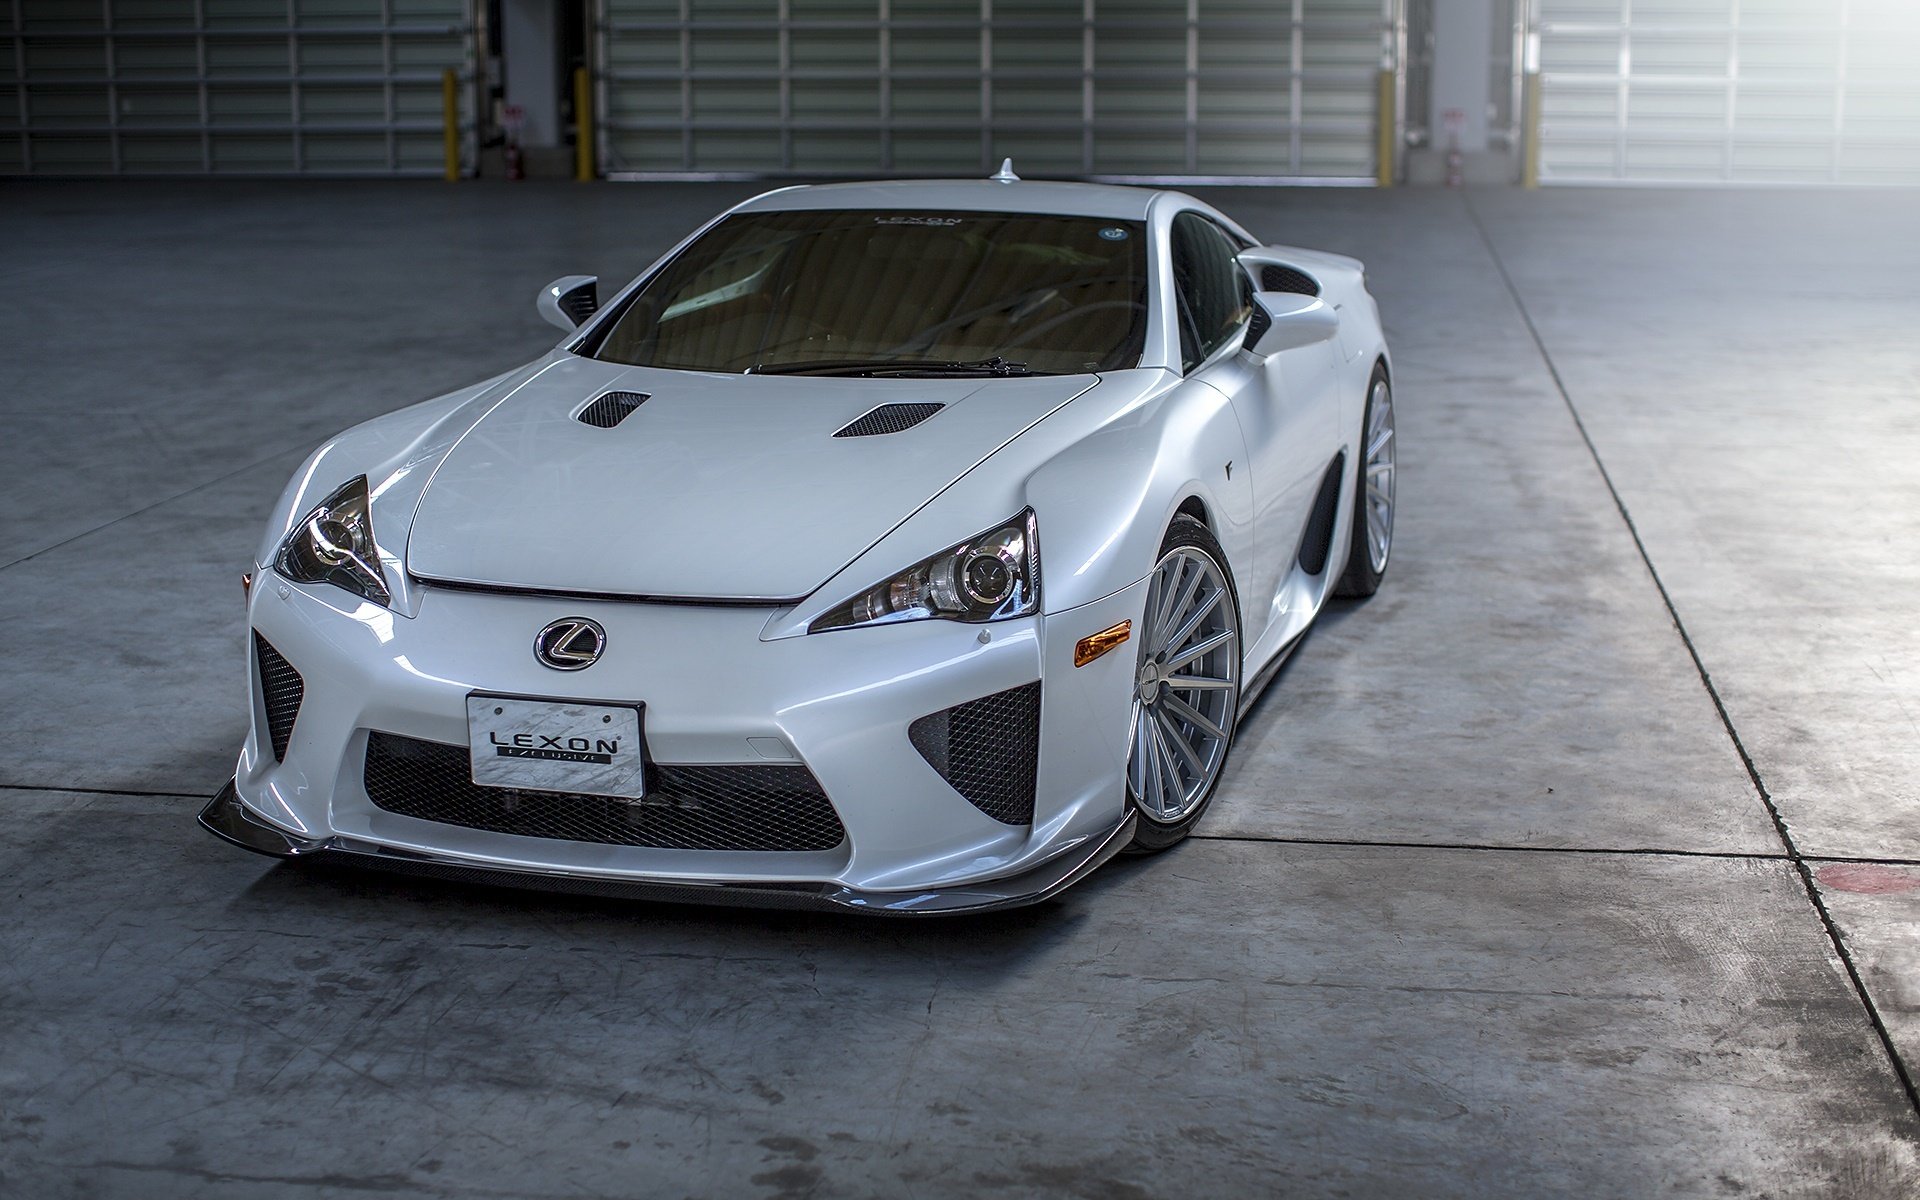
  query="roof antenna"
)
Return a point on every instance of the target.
[{"x": 1005, "y": 173}]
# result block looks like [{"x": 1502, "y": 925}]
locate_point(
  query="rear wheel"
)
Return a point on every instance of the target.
[
  {"x": 1186, "y": 694},
  {"x": 1373, "y": 494}
]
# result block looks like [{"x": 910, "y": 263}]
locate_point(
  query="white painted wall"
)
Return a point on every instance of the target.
[
  {"x": 1462, "y": 66},
  {"x": 531, "y": 67}
]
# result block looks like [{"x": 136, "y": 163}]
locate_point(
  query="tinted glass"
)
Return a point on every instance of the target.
[
  {"x": 765, "y": 290},
  {"x": 1215, "y": 296}
]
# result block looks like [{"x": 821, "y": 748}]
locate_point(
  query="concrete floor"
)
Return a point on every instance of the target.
[{"x": 1501, "y": 898}]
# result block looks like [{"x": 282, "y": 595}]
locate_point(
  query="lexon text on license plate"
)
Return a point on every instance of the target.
[{"x": 556, "y": 746}]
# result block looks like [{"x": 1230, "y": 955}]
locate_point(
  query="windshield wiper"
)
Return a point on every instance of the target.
[{"x": 995, "y": 366}]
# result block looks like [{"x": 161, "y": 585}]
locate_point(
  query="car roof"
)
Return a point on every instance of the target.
[{"x": 964, "y": 195}]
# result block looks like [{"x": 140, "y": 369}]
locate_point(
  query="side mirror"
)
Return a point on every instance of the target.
[
  {"x": 1288, "y": 321},
  {"x": 569, "y": 300}
]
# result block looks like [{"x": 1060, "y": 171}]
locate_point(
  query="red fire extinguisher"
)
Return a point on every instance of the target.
[
  {"x": 1456, "y": 162},
  {"x": 513, "y": 116}
]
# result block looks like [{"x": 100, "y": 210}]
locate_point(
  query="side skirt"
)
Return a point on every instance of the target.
[
  {"x": 1316, "y": 550},
  {"x": 1265, "y": 675}
]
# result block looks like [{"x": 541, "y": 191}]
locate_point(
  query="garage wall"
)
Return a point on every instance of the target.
[
  {"x": 299, "y": 87},
  {"x": 1245, "y": 88},
  {"x": 1753, "y": 91}
]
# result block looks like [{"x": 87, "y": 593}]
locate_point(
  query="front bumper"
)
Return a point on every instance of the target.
[
  {"x": 225, "y": 817},
  {"x": 719, "y": 691}
]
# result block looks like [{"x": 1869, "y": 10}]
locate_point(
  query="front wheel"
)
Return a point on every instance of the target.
[
  {"x": 1186, "y": 693},
  {"x": 1373, "y": 492}
]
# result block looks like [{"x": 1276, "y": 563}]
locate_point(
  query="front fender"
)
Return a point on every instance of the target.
[
  {"x": 1106, "y": 501},
  {"x": 1105, "y": 474},
  {"x": 396, "y": 452}
]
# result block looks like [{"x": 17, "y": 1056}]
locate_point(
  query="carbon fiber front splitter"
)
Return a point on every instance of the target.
[{"x": 225, "y": 817}]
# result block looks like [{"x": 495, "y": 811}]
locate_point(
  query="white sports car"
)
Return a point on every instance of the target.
[{"x": 897, "y": 547}]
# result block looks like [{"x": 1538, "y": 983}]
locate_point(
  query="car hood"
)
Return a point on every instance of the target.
[{"x": 717, "y": 487}]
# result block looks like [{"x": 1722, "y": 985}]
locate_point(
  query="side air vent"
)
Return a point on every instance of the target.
[
  {"x": 612, "y": 408},
  {"x": 988, "y": 749},
  {"x": 1316, "y": 543},
  {"x": 889, "y": 418},
  {"x": 281, "y": 688},
  {"x": 1276, "y": 278},
  {"x": 582, "y": 302}
]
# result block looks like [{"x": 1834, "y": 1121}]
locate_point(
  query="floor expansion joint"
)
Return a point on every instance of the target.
[{"x": 1785, "y": 835}]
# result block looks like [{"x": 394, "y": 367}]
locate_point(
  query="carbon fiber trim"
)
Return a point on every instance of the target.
[
  {"x": 889, "y": 418},
  {"x": 611, "y": 409},
  {"x": 228, "y": 819}
]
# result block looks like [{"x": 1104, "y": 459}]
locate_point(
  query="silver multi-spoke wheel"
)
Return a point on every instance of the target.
[
  {"x": 1187, "y": 689},
  {"x": 1378, "y": 492}
]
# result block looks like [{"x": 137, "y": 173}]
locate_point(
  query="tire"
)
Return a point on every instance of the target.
[
  {"x": 1370, "y": 541},
  {"x": 1193, "y": 587}
]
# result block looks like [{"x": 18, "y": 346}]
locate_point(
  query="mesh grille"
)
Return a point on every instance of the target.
[
  {"x": 281, "y": 687},
  {"x": 612, "y": 408},
  {"x": 686, "y": 808},
  {"x": 1287, "y": 279},
  {"x": 889, "y": 418},
  {"x": 988, "y": 749}
]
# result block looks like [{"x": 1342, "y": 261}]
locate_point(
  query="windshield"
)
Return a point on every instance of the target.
[{"x": 837, "y": 292}]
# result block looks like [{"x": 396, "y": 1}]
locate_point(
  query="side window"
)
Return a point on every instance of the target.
[{"x": 1215, "y": 296}]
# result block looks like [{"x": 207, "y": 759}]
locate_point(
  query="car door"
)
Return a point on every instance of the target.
[{"x": 1285, "y": 405}]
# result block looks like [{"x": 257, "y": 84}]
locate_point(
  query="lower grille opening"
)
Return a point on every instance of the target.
[
  {"x": 686, "y": 808},
  {"x": 281, "y": 688},
  {"x": 988, "y": 749}
]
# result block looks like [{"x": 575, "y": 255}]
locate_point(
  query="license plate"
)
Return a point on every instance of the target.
[{"x": 556, "y": 746}]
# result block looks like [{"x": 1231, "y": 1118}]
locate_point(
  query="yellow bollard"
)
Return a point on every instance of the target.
[
  {"x": 450, "y": 120},
  {"x": 582, "y": 126},
  {"x": 1384, "y": 139}
]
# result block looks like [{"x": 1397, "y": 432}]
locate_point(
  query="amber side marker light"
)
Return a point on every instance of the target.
[
  {"x": 1094, "y": 645},
  {"x": 246, "y": 584}
]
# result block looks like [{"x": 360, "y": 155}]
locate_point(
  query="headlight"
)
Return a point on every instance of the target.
[
  {"x": 987, "y": 578},
  {"x": 334, "y": 544}
]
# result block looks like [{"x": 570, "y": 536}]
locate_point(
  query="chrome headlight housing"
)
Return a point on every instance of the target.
[
  {"x": 991, "y": 577},
  {"x": 334, "y": 544}
]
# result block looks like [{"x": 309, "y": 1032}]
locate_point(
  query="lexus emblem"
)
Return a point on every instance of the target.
[{"x": 570, "y": 644}]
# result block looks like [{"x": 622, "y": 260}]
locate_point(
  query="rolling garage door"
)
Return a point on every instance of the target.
[
  {"x": 1730, "y": 91},
  {"x": 258, "y": 87},
  {"x": 1244, "y": 88}
]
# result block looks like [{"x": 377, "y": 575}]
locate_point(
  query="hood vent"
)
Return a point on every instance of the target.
[
  {"x": 612, "y": 408},
  {"x": 1276, "y": 278},
  {"x": 889, "y": 418}
]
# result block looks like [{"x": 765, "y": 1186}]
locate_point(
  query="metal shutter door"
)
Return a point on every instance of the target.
[
  {"x": 1729, "y": 91},
  {"x": 1276, "y": 88},
  {"x": 257, "y": 87}
]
